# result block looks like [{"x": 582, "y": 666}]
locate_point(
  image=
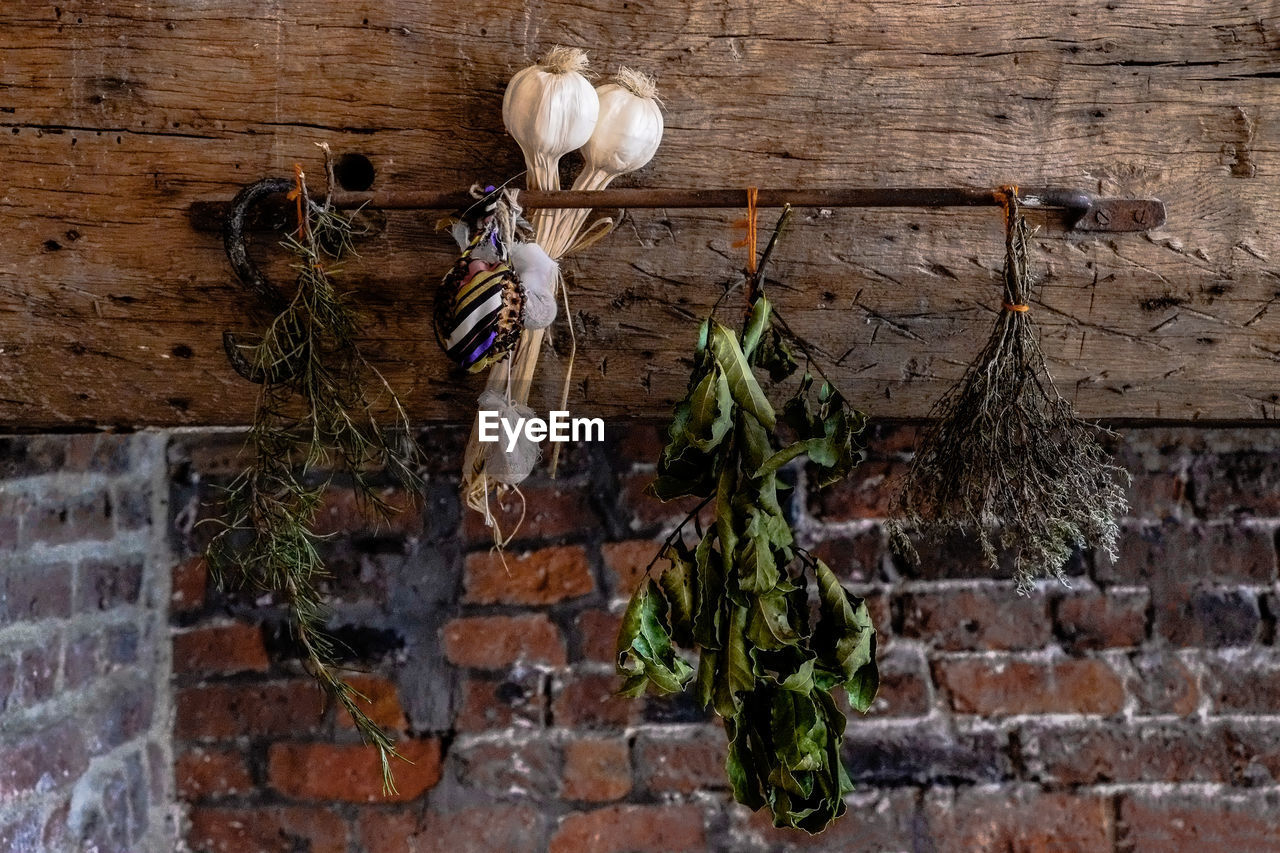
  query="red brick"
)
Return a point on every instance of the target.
[
  {"x": 11, "y": 507},
  {"x": 879, "y": 608},
  {"x": 380, "y": 702},
  {"x": 926, "y": 752},
  {"x": 551, "y": 510},
  {"x": 529, "y": 767},
  {"x": 57, "y": 519},
  {"x": 9, "y": 680},
  {"x": 1162, "y": 684},
  {"x": 866, "y": 493},
  {"x": 1172, "y": 551},
  {"x": 888, "y": 441},
  {"x": 647, "y": 512},
  {"x": 108, "y": 454},
  {"x": 1150, "y": 752},
  {"x": 487, "y": 703},
  {"x": 992, "y": 616},
  {"x": 219, "y": 650},
  {"x": 884, "y": 820},
  {"x": 343, "y": 512},
  {"x": 19, "y": 830},
  {"x": 631, "y": 829},
  {"x": 201, "y": 773},
  {"x": 266, "y": 829},
  {"x": 1204, "y": 822},
  {"x": 1249, "y": 684},
  {"x": 352, "y": 772},
  {"x": 682, "y": 764},
  {"x": 857, "y": 557},
  {"x": 496, "y": 642},
  {"x": 904, "y": 685},
  {"x": 38, "y": 671},
  {"x": 534, "y": 577},
  {"x": 482, "y": 829},
  {"x": 107, "y": 584},
  {"x": 1028, "y": 821},
  {"x": 1091, "y": 620},
  {"x": 596, "y": 770},
  {"x": 640, "y": 444},
  {"x": 33, "y": 455},
  {"x": 1237, "y": 482},
  {"x": 30, "y": 593},
  {"x": 190, "y": 579},
  {"x": 598, "y": 634},
  {"x": 625, "y": 564},
  {"x": 591, "y": 700},
  {"x": 227, "y": 710},
  {"x": 392, "y": 831},
  {"x": 1003, "y": 686},
  {"x": 214, "y": 455},
  {"x": 120, "y": 713},
  {"x": 1194, "y": 614},
  {"x": 52, "y": 757}
]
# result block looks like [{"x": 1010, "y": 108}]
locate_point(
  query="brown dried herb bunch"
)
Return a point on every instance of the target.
[{"x": 1006, "y": 456}]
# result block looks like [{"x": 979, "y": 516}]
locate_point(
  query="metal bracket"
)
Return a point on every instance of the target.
[{"x": 233, "y": 237}]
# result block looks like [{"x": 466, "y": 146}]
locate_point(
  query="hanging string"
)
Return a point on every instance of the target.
[
  {"x": 750, "y": 224},
  {"x": 298, "y": 194},
  {"x": 1015, "y": 230},
  {"x": 568, "y": 376}
]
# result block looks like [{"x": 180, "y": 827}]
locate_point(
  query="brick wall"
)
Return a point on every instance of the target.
[
  {"x": 85, "y": 761},
  {"x": 1137, "y": 710}
]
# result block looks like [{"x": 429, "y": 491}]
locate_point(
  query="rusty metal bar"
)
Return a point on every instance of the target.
[{"x": 1085, "y": 212}]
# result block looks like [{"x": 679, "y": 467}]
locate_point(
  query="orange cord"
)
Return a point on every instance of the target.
[
  {"x": 296, "y": 195},
  {"x": 1006, "y": 195},
  {"x": 750, "y": 223}
]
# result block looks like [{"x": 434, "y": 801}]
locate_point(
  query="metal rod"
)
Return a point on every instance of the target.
[
  {"x": 645, "y": 197},
  {"x": 1085, "y": 211}
]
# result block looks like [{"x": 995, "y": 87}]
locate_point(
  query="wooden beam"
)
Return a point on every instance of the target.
[{"x": 117, "y": 118}]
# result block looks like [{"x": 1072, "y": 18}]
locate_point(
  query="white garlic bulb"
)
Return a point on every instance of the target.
[
  {"x": 626, "y": 136},
  {"x": 627, "y": 133},
  {"x": 550, "y": 109}
]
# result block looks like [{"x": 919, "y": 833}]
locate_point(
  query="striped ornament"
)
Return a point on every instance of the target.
[{"x": 478, "y": 312}]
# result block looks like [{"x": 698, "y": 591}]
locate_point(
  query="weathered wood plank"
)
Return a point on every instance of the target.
[{"x": 116, "y": 116}]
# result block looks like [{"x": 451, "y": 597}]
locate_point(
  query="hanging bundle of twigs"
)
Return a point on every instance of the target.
[
  {"x": 1006, "y": 456},
  {"x": 315, "y": 419}
]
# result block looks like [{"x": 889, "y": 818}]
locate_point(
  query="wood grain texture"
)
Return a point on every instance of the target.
[{"x": 117, "y": 115}]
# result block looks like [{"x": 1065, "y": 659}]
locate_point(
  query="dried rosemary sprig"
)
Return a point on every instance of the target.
[
  {"x": 313, "y": 421},
  {"x": 1006, "y": 456}
]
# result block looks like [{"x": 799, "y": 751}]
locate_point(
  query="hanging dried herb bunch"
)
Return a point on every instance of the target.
[
  {"x": 315, "y": 420},
  {"x": 1005, "y": 455},
  {"x": 741, "y": 596}
]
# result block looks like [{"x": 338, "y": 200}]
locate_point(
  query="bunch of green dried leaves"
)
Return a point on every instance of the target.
[
  {"x": 314, "y": 421},
  {"x": 1005, "y": 456},
  {"x": 741, "y": 596}
]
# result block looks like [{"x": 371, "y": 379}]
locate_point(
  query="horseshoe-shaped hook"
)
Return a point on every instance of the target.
[{"x": 233, "y": 239}]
